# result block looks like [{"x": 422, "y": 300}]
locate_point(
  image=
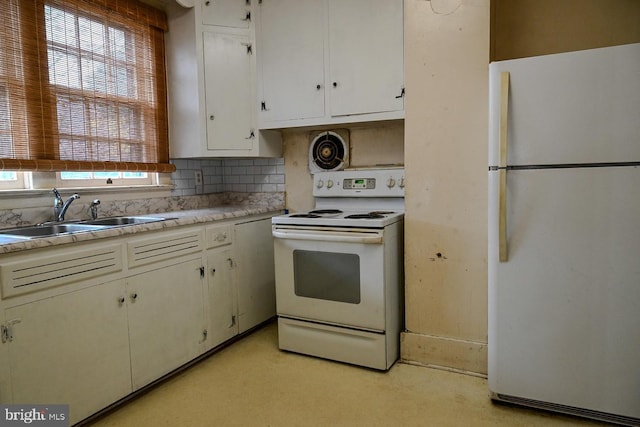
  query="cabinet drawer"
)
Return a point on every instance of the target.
[
  {"x": 40, "y": 273},
  {"x": 163, "y": 247},
  {"x": 219, "y": 235}
]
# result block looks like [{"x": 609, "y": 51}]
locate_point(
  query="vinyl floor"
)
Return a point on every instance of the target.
[{"x": 253, "y": 383}]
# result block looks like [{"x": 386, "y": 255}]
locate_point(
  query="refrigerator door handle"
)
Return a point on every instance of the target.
[{"x": 502, "y": 166}]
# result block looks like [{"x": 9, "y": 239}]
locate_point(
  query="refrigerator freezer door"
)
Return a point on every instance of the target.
[
  {"x": 577, "y": 107},
  {"x": 564, "y": 317}
]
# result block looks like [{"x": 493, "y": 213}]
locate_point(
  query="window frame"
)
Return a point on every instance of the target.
[{"x": 39, "y": 149}]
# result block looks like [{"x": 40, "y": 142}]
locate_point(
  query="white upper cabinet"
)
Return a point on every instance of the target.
[
  {"x": 229, "y": 92},
  {"x": 292, "y": 59},
  {"x": 329, "y": 61},
  {"x": 365, "y": 56},
  {"x": 227, "y": 13},
  {"x": 211, "y": 81}
]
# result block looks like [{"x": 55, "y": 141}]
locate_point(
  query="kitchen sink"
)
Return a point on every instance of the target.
[
  {"x": 50, "y": 230},
  {"x": 124, "y": 220}
]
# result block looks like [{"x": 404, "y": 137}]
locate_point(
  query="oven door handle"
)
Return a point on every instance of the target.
[{"x": 331, "y": 236}]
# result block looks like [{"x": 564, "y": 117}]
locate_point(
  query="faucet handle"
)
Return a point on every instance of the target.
[
  {"x": 93, "y": 208},
  {"x": 57, "y": 200}
]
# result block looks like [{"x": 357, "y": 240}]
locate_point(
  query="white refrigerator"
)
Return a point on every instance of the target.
[{"x": 564, "y": 233}]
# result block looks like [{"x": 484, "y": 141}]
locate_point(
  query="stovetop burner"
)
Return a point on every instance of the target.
[
  {"x": 370, "y": 215},
  {"x": 326, "y": 211},
  {"x": 305, "y": 215}
]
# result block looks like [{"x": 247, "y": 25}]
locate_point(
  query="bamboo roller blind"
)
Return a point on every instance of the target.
[{"x": 82, "y": 86}]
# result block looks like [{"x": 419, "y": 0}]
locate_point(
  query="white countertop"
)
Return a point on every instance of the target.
[{"x": 187, "y": 217}]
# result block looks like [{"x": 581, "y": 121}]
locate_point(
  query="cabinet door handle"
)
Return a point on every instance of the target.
[
  {"x": 247, "y": 17},
  {"x": 207, "y": 3},
  {"x": 233, "y": 321},
  {"x": 212, "y": 117},
  {"x": 230, "y": 262},
  {"x": 401, "y": 94},
  {"x": 213, "y": 271},
  {"x": 134, "y": 296},
  {"x": 263, "y": 106},
  {"x": 318, "y": 87},
  {"x": 120, "y": 300},
  {"x": 249, "y": 47},
  {"x": 251, "y": 135},
  {"x": 335, "y": 84}
]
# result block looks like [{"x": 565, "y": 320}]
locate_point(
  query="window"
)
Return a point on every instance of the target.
[
  {"x": 11, "y": 180},
  {"x": 82, "y": 87},
  {"x": 98, "y": 179}
]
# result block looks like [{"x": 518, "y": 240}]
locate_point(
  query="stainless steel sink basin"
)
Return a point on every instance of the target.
[
  {"x": 50, "y": 230},
  {"x": 54, "y": 229},
  {"x": 124, "y": 220}
]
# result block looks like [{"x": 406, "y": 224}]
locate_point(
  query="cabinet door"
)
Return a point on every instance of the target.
[
  {"x": 366, "y": 56},
  {"x": 166, "y": 319},
  {"x": 229, "y": 91},
  {"x": 226, "y": 13},
  {"x": 221, "y": 301},
  {"x": 292, "y": 59},
  {"x": 255, "y": 276},
  {"x": 71, "y": 349}
]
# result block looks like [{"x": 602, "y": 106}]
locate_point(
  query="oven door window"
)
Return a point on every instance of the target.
[{"x": 327, "y": 276}]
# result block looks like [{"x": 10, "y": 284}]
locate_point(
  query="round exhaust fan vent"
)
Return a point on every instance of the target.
[{"x": 328, "y": 152}]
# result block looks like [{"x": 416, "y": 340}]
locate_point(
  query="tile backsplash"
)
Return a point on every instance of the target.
[{"x": 228, "y": 175}]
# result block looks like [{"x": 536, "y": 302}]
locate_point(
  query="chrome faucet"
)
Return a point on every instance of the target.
[{"x": 60, "y": 207}]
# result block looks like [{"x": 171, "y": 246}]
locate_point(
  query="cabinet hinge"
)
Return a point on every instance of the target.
[{"x": 6, "y": 331}]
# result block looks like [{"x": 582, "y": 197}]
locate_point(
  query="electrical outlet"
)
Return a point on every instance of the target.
[{"x": 198, "y": 177}]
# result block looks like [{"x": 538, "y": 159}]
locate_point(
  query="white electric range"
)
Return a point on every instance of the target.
[{"x": 339, "y": 269}]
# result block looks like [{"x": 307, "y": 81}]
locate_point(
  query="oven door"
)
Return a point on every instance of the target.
[{"x": 331, "y": 275}]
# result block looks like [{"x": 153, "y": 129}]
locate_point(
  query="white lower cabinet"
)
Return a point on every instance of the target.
[
  {"x": 71, "y": 349},
  {"x": 170, "y": 296},
  {"x": 166, "y": 320},
  {"x": 255, "y": 274},
  {"x": 221, "y": 302}
]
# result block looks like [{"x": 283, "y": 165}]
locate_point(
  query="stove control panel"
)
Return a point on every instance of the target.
[{"x": 360, "y": 183}]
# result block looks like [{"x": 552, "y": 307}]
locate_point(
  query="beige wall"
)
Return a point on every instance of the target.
[
  {"x": 446, "y": 69},
  {"x": 371, "y": 144},
  {"x": 521, "y": 28},
  {"x": 446, "y": 76}
]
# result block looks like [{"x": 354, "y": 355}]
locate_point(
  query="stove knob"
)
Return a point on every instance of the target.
[
  {"x": 401, "y": 184},
  {"x": 329, "y": 183},
  {"x": 391, "y": 182},
  {"x": 320, "y": 183}
]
